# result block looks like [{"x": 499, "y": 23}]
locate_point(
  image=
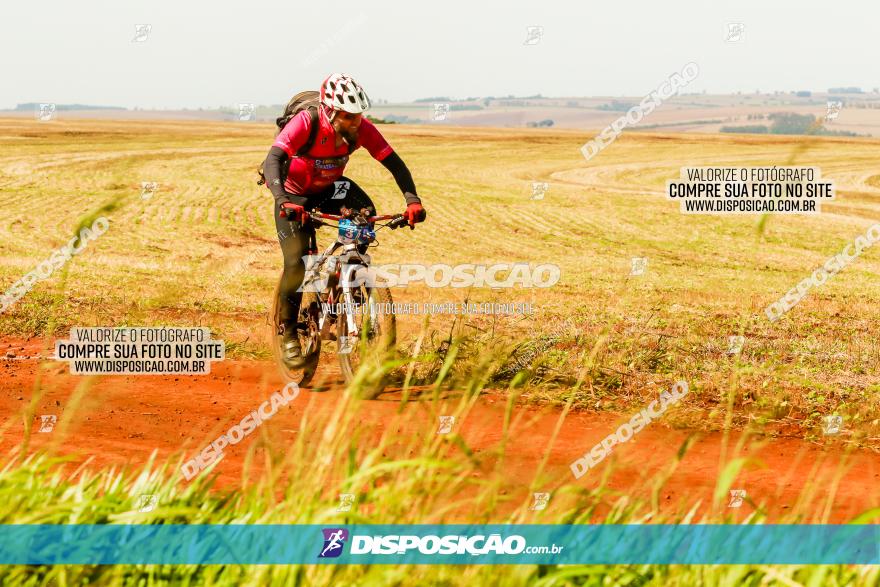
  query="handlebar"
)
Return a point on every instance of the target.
[
  {"x": 342, "y": 217},
  {"x": 397, "y": 220}
]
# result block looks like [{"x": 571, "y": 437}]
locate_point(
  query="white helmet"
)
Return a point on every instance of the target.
[{"x": 340, "y": 92}]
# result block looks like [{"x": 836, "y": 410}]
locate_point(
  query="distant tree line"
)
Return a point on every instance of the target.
[
  {"x": 616, "y": 106},
  {"x": 401, "y": 119},
  {"x": 36, "y": 106},
  {"x": 485, "y": 99},
  {"x": 788, "y": 123},
  {"x": 376, "y": 120},
  {"x": 752, "y": 129}
]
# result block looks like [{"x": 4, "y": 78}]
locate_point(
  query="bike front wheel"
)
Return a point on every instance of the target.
[{"x": 363, "y": 353}]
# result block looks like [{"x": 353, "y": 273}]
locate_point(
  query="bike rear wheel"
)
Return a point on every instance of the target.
[{"x": 309, "y": 337}]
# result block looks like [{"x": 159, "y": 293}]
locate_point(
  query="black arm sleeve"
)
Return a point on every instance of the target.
[
  {"x": 273, "y": 168},
  {"x": 402, "y": 176}
]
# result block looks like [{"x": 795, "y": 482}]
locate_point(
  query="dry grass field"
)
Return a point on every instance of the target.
[
  {"x": 530, "y": 393},
  {"x": 201, "y": 251}
]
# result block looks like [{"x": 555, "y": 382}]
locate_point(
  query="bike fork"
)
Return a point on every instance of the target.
[{"x": 348, "y": 302}]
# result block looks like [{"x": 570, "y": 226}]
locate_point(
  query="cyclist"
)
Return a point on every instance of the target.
[{"x": 314, "y": 180}]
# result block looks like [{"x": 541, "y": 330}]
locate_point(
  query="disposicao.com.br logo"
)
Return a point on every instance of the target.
[{"x": 334, "y": 540}]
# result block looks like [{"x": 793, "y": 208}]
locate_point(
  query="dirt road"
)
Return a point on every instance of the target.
[{"x": 122, "y": 419}]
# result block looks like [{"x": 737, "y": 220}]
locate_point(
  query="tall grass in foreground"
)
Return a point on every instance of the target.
[
  {"x": 403, "y": 477},
  {"x": 419, "y": 477}
]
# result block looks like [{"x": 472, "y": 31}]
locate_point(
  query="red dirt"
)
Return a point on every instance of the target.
[{"x": 122, "y": 419}]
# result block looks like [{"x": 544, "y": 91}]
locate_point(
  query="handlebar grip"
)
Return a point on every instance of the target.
[
  {"x": 397, "y": 223},
  {"x": 300, "y": 223}
]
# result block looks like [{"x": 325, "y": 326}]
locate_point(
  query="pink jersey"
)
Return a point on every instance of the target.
[{"x": 324, "y": 163}]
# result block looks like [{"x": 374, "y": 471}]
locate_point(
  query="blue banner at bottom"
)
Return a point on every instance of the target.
[{"x": 439, "y": 544}]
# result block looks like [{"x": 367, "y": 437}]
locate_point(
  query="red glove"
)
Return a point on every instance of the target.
[
  {"x": 293, "y": 212},
  {"x": 414, "y": 213}
]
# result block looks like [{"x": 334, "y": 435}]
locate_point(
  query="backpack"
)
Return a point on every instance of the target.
[{"x": 308, "y": 100}]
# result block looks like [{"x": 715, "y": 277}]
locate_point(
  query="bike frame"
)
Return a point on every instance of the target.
[{"x": 349, "y": 249}]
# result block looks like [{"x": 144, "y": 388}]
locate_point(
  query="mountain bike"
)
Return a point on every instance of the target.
[{"x": 339, "y": 296}]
